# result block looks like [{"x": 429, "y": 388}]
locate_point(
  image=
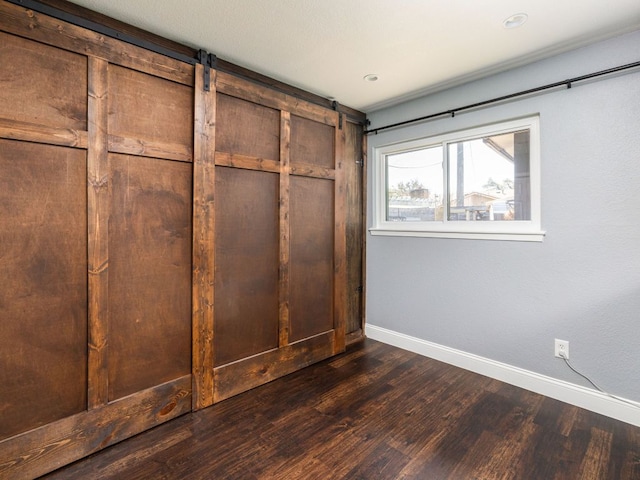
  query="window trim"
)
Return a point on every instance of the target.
[{"x": 521, "y": 230}]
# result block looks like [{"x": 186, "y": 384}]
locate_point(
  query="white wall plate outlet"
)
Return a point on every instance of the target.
[{"x": 562, "y": 349}]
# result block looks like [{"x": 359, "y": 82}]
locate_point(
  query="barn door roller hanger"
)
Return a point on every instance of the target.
[{"x": 209, "y": 61}]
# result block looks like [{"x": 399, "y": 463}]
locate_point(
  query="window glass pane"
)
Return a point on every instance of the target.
[
  {"x": 489, "y": 178},
  {"x": 414, "y": 186}
]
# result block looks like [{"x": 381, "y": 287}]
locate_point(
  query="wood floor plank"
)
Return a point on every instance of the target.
[
  {"x": 596, "y": 460},
  {"x": 383, "y": 463},
  {"x": 474, "y": 461},
  {"x": 377, "y": 413},
  {"x": 625, "y": 458}
]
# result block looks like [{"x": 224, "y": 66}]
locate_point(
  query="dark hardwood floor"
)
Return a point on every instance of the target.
[{"x": 377, "y": 412}]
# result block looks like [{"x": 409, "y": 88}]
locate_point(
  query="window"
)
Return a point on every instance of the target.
[{"x": 477, "y": 183}]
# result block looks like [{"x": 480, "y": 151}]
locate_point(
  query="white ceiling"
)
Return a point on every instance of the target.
[{"x": 414, "y": 46}]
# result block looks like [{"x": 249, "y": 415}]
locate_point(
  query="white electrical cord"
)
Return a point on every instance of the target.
[{"x": 629, "y": 402}]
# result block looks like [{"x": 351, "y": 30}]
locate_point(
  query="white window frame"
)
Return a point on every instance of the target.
[{"x": 520, "y": 230}]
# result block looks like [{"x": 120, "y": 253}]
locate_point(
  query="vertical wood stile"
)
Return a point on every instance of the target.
[
  {"x": 203, "y": 240},
  {"x": 363, "y": 186},
  {"x": 98, "y": 232},
  {"x": 285, "y": 150},
  {"x": 354, "y": 208},
  {"x": 340, "y": 245}
]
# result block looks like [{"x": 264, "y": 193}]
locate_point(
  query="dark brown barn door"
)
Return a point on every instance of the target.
[
  {"x": 95, "y": 241},
  {"x": 279, "y": 241},
  {"x": 355, "y": 178}
]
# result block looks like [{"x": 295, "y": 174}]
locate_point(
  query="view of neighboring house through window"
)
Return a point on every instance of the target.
[
  {"x": 483, "y": 180},
  {"x": 489, "y": 178}
]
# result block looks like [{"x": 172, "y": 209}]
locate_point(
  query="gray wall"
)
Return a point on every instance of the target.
[{"x": 507, "y": 301}]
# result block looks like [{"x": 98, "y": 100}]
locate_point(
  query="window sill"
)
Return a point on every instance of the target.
[{"x": 537, "y": 236}]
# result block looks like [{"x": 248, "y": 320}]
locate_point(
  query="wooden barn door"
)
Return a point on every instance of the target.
[
  {"x": 355, "y": 179},
  {"x": 278, "y": 235},
  {"x": 95, "y": 236}
]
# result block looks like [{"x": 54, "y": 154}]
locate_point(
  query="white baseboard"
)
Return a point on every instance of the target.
[{"x": 560, "y": 390}]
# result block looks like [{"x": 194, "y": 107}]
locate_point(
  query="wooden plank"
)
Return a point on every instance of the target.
[
  {"x": 42, "y": 85},
  {"x": 224, "y": 159},
  {"x": 365, "y": 167},
  {"x": 354, "y": 337},
  {"x": 253, "y": 92},
  {"x": 150, "y": 240},
  {"x": 246, "y": 128},
  {"x": 56, "y": 444},
  {"x": 340, "y": 245},
  {"x": 27, "y": 23},
  {"x": 312, "y": 143},
  {"x": 150, "y": 148},
  {"x": 285, "y": 139},
  {"x": 43, "y": 299},
  {"x": 30, "y": 132},
  {"x": 596, "y": 459},
  {"x": 203, "y": 241},
  {"x": 353, "y": 178},
  {"x": 246, "y": 267},
  {"x": 149, "y": 115},
  {"x": 312, "y": 171},
  {"x": 98, "y": 233},
  {"x": 243, "y": 375},
  {"x": 312, "y": 238}
]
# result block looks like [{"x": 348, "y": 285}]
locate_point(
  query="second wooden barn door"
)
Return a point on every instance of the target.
[{"x": 279, "y": 240}]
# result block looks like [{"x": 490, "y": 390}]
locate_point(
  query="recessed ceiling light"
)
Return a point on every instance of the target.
[
  {"x": 372, "y": 77},
  {"x": 515, "y": 21}
]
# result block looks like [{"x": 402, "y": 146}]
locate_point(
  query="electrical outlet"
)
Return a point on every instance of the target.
[{"x": 562, "y": 349}]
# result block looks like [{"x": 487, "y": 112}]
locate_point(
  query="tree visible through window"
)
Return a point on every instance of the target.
[{"x": 477, "y": 176}]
